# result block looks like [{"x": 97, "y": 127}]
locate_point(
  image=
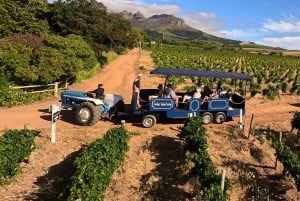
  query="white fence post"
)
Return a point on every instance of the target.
[
  {"x": 66, "y": 84},
  {"x": 56, "y": 89}
]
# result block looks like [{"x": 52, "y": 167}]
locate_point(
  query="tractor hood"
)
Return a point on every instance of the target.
[
  {"x": 74, "y": 93},
  {"x": 78, "y": 97}
]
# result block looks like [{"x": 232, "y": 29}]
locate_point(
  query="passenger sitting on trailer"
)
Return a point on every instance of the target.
[
  {"x": 213, "y": 95},
  {"x": 170, "y": 93},
  {"x": 159, "y": 93},
  {"x": 206, "y": 93},
  {"x": 195, "y": 94},
  {"x": 229, "y": 94}
]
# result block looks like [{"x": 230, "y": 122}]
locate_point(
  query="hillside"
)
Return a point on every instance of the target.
[{"x": 169, "y": 27}]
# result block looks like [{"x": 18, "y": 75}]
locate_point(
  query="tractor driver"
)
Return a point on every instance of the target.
[{"x": 99, "y": 92}]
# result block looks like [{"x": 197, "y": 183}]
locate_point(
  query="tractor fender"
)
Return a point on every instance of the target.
[
  {"x": 95, "y": 101},
  {"x": 112, "y": 99}
]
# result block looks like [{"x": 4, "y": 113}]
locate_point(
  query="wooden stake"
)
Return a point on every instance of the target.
[
  {"x": 123, "y": 122},
  {"x": 27, "y": 126},
  {"x": 251, "y": 125},
  {"x": 223, "y": 181}
]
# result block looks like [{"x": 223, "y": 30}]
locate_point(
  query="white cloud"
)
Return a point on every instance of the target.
[
  {"x": 134, "y": 6},
  {"x": 291, "y": 43},
  {"x": 206, "y": 22},
  {"x": 235, "y": 33},
  {"x": 282, "y": 26}
]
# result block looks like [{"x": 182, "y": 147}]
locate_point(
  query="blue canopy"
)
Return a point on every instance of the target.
[{"x": 199, "y": 73}]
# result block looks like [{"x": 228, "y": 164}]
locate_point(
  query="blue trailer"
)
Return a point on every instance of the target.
[{"x": 214, "y": 110}]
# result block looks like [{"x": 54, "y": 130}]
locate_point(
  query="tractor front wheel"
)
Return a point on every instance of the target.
[{"x": 87, "y": 114}]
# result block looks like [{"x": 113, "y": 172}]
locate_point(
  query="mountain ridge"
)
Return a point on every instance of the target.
[{"x": 170, "y": 27}]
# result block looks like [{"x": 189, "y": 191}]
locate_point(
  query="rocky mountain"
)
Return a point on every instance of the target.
[{"x": 170, "y": 27}]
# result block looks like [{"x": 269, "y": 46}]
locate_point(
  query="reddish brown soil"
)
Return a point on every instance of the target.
[{"x": 152, "y": 168}]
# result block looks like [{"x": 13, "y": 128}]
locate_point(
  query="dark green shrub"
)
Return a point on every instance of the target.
[
  {"x": 271, "y": 92},
  {"x": 296, "y": 121},
  {"x": 194, "y": 135},
  {"x": 15, "y": 146},
  {"x": 95, "y": 166},
  {"x": 254, "y": 89}
]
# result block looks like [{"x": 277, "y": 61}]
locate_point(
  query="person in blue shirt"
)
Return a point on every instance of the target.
[{"x": 99, "y": 92}]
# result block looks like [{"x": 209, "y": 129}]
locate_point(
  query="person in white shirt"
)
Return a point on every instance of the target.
[
  {"x": 195, "y": 94},
  {"x": 174, "y": 95},
  {"x": 170, "y": 93}
]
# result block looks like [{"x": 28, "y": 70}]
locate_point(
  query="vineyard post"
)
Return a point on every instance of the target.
[
  {"x": 244, "y": 124},
  {"x": 27, "y": 126},
  {"x": 223, "y": 181},
  {"x": 251, "y": 125},
  {"x": 280, "y": 136},
  {"x": 280, "y": 139},
  {"x": 123, "y": 122},
  {"x": 140, "y": 47},
  {"x": 241, "y": 119}
]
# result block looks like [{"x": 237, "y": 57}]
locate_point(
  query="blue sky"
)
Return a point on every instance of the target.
[{"x": 267, "y": 22}]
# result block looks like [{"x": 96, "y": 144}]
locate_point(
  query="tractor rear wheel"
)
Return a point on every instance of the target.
[
  {"x": 149, "y": 121},
  {"x": 87, "y": 114},
  {"x": 207, "y": 118}
]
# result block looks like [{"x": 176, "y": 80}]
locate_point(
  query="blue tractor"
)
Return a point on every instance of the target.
[
  {"x": 213, "y": 110},
  {"x": 89, "y": 110}
]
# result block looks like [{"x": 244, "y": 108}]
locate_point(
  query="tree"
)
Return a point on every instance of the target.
[
  {"x": 89, "y": 19},
  {"x": 53, "y": 58},
  {"x": 64, "y": 57},
  {"x": 23, "y": 16}
]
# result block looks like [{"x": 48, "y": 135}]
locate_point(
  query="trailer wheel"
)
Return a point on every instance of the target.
[
  {"x": 220, "y": 117},
  {"x": 149, "y": 121},
  {"x": 207, "y": 118},
  {"x": 87, "y": 114}
]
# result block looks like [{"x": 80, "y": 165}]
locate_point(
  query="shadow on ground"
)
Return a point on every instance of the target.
[
  {"x": 166, "y": 180},
  {"x": 257, "y": 186},
  {"x": 295, "y": 104},
  {"x": 51, "y": 184}
]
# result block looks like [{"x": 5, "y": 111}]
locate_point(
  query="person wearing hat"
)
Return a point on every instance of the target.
[
  {"x": 136, "y": 92},
  {"x": 99, "y": 92}
]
